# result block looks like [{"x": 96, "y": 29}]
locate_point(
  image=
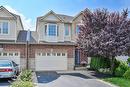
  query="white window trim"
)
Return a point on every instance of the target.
[
  {"x": 47, "y": 31},
  {"x": 2, "y": 27}
]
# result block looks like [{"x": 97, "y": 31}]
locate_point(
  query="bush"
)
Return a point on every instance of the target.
[
  {"x": 22, "y": 84},
  {"x": 116, "y": 64},
  {"x": 128, "y": 60},
  {"x": 127, "y": 74},
  {"x": 99, "y": 62},
  {"x": 26, "y": 75},
  {"x": 121, "y": 69}
]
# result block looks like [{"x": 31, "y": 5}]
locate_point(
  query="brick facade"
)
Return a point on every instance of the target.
[
  {"x": 33, "y": 48},
  {"x": 47, "y": 48},
  {"x": 38, "y": 47},
  {"x": 16, "y": 47}
]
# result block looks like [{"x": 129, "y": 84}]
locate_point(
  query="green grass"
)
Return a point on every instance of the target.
[{"x": 119, "y": 81}]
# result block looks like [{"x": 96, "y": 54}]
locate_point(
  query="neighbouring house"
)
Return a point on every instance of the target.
[{"x": 51, "y": 47}]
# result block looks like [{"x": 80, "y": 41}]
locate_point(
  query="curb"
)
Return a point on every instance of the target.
[
  {"x": 34, "y": 77},
  {"x": 112, "y": 85}
]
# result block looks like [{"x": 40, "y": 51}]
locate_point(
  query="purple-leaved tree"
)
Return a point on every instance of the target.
[{"x": 105, "y": 33}]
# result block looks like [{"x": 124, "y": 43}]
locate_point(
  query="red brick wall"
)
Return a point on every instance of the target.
[
  {"x": 40, "y": 47},
  {"x": 34, "y": 47},
  {"x": 83, "y": 56},
  {"x": 16, "y": 47}
]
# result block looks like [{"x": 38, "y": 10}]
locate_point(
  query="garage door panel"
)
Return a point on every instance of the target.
[
  {"x": 51, "y": 63},
  {"x": 14, "y": 56}
]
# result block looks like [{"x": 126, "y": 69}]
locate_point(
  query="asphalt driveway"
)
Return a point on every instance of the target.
[
  {"x": 5, "y": 82},
  {"x": 73, "y": 79}
]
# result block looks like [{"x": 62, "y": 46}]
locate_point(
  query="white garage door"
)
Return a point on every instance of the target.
[
  {"x": 50, "y": 61},
  {"x": 14, "y": 56}
]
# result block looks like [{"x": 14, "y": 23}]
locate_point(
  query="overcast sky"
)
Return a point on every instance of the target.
[{"x": 30, "y": 9}]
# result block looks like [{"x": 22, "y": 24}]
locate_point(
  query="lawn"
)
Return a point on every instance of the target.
[{"x": 119, "y": 81}]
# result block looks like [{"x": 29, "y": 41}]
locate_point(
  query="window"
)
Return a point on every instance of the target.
[
  {"x": 48, "y": 54},
  {"x": 58, "y": 54},
  {"x": 63, "y": 54},
  {"x": 77, "y": 29},
  {"x": 4, "y": 28},
  {"x": 45, "y": 30},
  {"x": 16, "y": 54},
  {"x": 10, "y": 54},
  {"x": 57, "y": 30},
  {"x": 39, "y": 54},
  {"x": 4, "y": 54},
  {"x": 52, "y": 30},
  {"x": 66, "y": 29},
  {"x": 0, "y": 28},
  {"x": 43, "y": 54}
]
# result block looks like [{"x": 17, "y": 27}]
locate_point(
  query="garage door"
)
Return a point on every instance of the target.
[
  {"x": 14, "y": 56},
  {"x": 50, "y": 61}
]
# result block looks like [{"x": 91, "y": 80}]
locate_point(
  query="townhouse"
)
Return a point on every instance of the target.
[{"x": 51, "y": 47}]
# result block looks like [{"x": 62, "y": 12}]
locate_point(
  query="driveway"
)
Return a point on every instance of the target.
[
  {"x": 5, "y": 82},
  {"x": 65, "y": 79}
]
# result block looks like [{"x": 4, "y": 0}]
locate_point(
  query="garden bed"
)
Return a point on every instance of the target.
[
  {"x": 24, "y": 79},
  {"x": 119, "y": 81}
]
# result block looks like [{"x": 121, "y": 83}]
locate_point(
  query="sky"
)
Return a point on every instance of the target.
[{"x": 29, "y": 10}]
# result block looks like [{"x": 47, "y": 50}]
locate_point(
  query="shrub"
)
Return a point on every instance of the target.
[
  {"x": 128, "y": 60},
  {"x": 99, "y": 62},
  {"x": 22, "y": 84},
  {"x": 26, "y": 75},
  {"x": 127, "y": 74},
  {"x": 121, "y": 69}
]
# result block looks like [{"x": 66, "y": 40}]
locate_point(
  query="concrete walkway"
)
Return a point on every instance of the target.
[{"x": 68, "y": 79}]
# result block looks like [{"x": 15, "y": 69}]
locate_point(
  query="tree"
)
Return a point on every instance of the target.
[{"x": 105, "y": 33}]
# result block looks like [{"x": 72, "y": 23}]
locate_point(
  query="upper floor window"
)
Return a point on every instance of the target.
[
  {"x": 4, "y": 28},
  {"x": 77, "y": 29},
  {"x": 66, "y": 29},
  {"x": 51, "y": 29}
]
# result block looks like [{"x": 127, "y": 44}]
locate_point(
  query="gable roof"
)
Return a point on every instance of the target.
[
  {"x": 50, "y": 12},
  {"x": 12, "y": 14},
  {"x": 3, "y": 8},
  {"x": 66, "y": 18},
  {"x": 77, "y": 15}
]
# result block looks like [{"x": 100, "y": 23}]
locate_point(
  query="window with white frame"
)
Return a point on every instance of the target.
[
  {"x": 4, "y": 29},
  {"x": 66, "y": 29},
  {"x": 51, "y": 29}
]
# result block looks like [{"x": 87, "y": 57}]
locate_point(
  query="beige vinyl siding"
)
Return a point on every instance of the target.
[{"x": 11, "y": 29}]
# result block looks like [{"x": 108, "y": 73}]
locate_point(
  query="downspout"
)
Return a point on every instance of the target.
[{"x": 27, "y": 48}]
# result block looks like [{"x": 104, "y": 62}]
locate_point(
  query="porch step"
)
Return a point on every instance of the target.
[{"x": 80, "y": 67}]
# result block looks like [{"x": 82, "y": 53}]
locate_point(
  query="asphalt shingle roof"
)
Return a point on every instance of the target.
[{"x": 66, "y": 18}]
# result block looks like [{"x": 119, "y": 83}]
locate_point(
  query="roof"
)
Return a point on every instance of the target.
[
  {"x": 50, "y": 12},
  {"x": 57, "y": 43},
  {"x": 66, "y": 18},
  {"x": 77, "y": 15},
  {"x": 22, "y": 36},
  {"x": 14, "y": 15}
]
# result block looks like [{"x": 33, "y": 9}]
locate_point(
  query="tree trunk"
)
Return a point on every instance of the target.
[{"x": 113, "y": 66}]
